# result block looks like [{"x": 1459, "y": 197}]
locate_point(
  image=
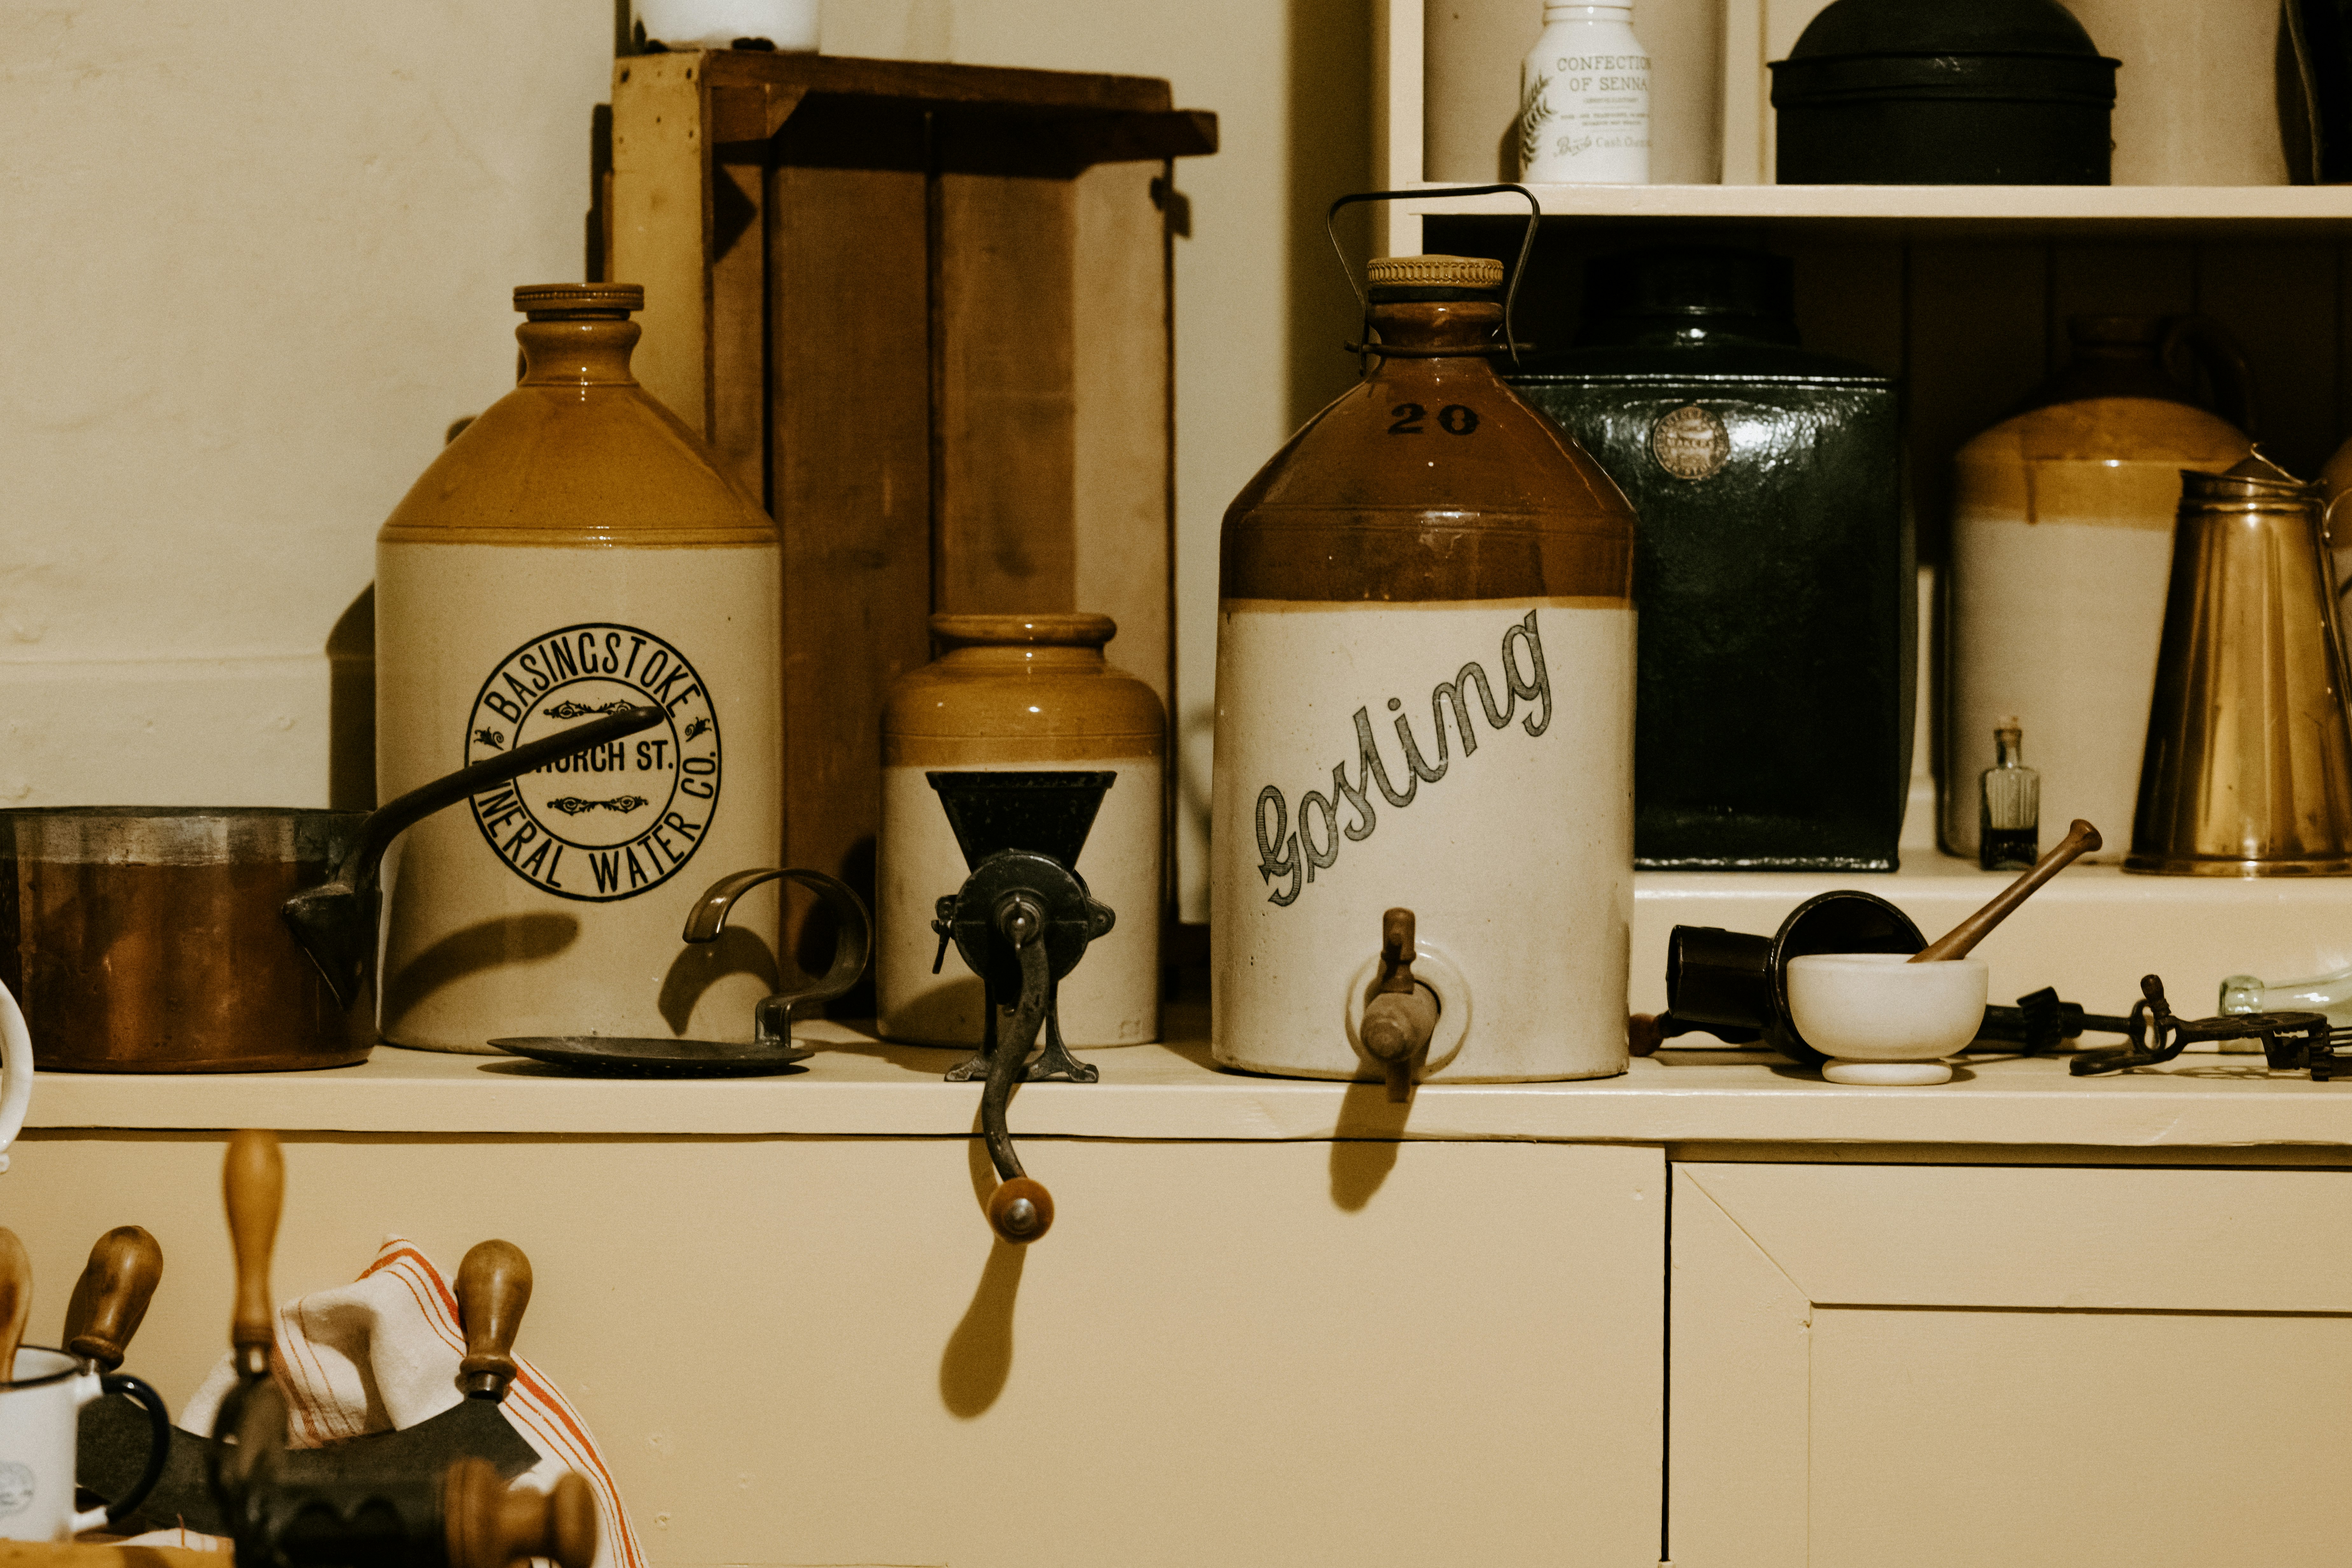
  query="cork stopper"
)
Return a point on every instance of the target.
[
  {"x": 1435, "y": 272},
  {"x": 554, "y": 301}
]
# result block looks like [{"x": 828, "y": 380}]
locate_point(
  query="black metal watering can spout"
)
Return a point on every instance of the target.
[{"x": 336, "y": 922}]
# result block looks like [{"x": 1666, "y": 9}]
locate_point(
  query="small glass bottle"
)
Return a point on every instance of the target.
[
  {"x": 2010, "y": 805},
  {"x": 1584, "y": 100},
  {"x": 2327, "y": 993}
]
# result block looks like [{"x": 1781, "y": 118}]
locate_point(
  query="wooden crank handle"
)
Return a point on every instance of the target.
[
  {"x": 487, "y": 1525},
  {"x": 15, "y": 1300},
  {"x": 2081, "y": 839},
  {"x": 1021, "y": 1209},
  {"x": 109, "y": 1301},
  {"x": 493, "y": 1291},
  {"x": 253, "y": 1183}
]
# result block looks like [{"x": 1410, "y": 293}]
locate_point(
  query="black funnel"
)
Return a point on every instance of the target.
[{"x": 1044, "y": 812}]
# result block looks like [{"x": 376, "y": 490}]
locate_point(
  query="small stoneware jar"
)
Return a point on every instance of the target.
[{"x": 1021, "y": 693}]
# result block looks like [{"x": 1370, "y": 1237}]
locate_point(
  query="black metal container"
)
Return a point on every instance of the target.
[
  {"x": 1925, "y": 92},
  {"x": 1772, "y": 564}
]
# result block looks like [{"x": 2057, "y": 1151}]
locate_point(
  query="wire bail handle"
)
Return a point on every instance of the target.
[{"x": 1365, "y": 348}]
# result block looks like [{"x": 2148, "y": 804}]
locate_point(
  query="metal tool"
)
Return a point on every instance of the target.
[
  {"x": 2040, "y": 1024},
  {"x": 2289, "y": 1040},
  {"x": 297, "y": 1509},
  {"x": 771, "y": 1051},
  {"x": 1021, "y": 921}
]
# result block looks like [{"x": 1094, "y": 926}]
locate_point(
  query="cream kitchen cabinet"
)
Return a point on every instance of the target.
[
  {"x": 1957, "y": 1364},
  {"x": 1711, "y": 1312}
]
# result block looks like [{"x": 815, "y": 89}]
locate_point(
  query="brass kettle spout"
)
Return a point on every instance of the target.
[{"x": 1401, "y": 1014}]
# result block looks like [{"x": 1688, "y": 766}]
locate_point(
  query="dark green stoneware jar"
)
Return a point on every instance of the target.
[{"x": 1773, "y": 563}]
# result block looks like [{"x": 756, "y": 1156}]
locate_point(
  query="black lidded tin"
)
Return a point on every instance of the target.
[
  {"x": 1772, "y": 562},
  {"x": 1926, "y": 92}
]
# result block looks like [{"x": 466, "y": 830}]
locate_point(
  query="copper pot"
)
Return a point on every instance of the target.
[{"x": 231, "y": 939}]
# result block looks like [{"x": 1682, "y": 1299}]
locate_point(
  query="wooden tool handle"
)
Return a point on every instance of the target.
[
  {"x": 2081, "y": 839},
  {"x": 253, "y": 1183},
  {"x": 1021, "y": 1210},
  {"x": 15, "y": 1300},
  {"x": 489, "y": 1526},
  {"x": 110, "y": 1300},
  {"x": 493, "y": 1292}
]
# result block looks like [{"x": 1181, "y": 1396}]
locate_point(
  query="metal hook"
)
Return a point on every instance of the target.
[{"x": 1365, "y": 348}]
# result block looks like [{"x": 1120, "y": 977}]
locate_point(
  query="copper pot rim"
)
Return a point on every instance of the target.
[{"x": 178, "y": 834}]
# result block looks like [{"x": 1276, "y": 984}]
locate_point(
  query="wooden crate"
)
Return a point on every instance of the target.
[{"x": 923, "y": 311}]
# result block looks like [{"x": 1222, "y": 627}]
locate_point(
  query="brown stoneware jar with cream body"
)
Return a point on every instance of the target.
[
  {"x": 1425, "y": 703},
  {"x": 575, "y": 548},
  {"x": 1020, "y": 694},
  {"x": 2063, "y": 521}
]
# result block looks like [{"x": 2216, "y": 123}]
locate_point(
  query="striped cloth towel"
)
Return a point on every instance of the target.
[{"x": 382, "y": 1354}]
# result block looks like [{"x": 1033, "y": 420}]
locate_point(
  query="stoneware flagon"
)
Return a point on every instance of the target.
[
  {"x": 573, "y": 549},
  {"x": 2061, "y": 538},
  {"x": 1424, "y": 703},
  {"x": 1021, "y": 693}
]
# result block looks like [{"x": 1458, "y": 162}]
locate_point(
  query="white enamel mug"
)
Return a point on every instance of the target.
[
  {"x": 40, "y": 1412},
  {"x": 15, "y": 1072}
]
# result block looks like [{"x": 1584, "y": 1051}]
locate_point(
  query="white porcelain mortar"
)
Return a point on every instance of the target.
[{"x": 1883, "y": 1019}]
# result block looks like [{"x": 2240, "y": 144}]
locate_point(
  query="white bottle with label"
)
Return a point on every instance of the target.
[{"x": 1584, "y": 100}]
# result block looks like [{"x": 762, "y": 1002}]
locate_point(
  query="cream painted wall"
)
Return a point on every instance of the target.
[{"x": 260, "y": 256}]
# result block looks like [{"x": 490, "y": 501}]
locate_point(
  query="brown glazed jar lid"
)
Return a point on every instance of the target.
[
  {"x": 1434, "y": 272},
  {"x": 1055, "y": 629},
  {"x": 542, "y": 300}
]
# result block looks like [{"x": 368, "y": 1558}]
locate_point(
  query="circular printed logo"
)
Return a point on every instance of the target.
[
  {"x": 1690, "y": 443},
  {"x": 16, "y": 1488},
  {"x": 617, "y": 819}
]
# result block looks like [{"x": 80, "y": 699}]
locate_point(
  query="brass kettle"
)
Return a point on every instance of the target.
[{"x": 2248, "y": 766}]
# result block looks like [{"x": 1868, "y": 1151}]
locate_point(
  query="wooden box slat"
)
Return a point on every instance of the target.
[{"x": 923, "y": 311}]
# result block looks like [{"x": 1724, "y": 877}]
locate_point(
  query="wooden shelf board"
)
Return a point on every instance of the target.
[
  {"x": 1929, "y": 207},
  {"x": 858, "y": 1086}
]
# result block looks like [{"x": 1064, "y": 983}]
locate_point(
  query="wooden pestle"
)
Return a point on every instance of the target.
[
  {"x": 15, "y": 1300},
  {"x": 493, "y": 1291},
  {"x": 2081, "y": 839},
  {"x": 109, "y": 1301},
  {"x": 253, "y": 1183},
  {"x": 490, "y": 1526}
]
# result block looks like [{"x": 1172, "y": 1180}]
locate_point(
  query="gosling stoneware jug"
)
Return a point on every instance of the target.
[
  {"x": 573, "y": 552},
  {"x": 1424, "y": 708},
  {"x": 2062, "y": 535}
]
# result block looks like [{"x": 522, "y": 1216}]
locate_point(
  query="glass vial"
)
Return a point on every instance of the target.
[
  {"x": 1584, "y": 100},
  {"x": 2010, "y": 809}
]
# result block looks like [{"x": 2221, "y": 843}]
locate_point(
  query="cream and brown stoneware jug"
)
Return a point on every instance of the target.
[
  {"x": 2062, "y": 536},
  {"x": 576, "y": 549},
  {"x": 1425, "y": 703},
  {"x": 1021, "y": 693}
]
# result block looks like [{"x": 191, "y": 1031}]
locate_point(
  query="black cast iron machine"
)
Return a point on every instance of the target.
[{"x": 1021, "y": 921}]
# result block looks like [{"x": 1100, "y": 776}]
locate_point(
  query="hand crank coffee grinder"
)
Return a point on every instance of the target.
[{"x": 1022, "y": 921}]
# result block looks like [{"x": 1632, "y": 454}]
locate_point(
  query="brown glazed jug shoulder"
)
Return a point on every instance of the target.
[
  {"x": 1022, "y": 693},
  {"x": 577, "y": 453},
  {"x": 1431, "y": 479}
]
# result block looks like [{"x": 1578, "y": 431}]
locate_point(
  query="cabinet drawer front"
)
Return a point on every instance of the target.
[{"x": 1966, "y": 1364}]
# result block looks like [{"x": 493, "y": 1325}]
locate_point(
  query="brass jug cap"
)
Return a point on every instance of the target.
[
  {"x": 1435, "y": 272},
  {"x": 540, "y": 300}
]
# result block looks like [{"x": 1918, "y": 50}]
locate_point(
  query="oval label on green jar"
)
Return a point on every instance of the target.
[
  {"x": 615, "y": 820},
  {"x": 1690, "y": 443}
]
